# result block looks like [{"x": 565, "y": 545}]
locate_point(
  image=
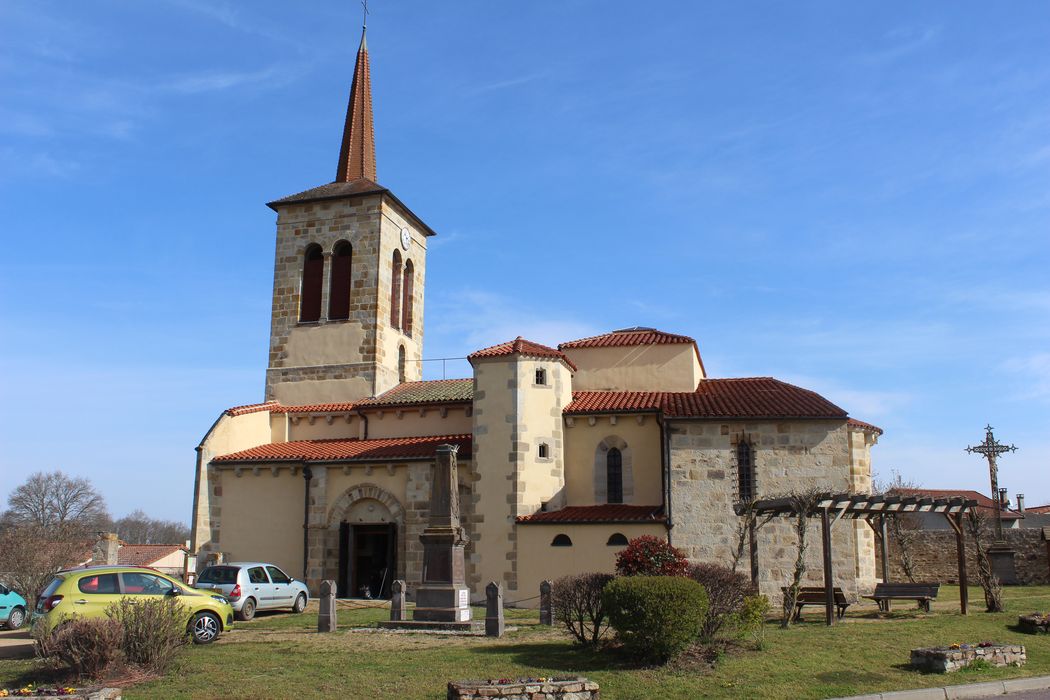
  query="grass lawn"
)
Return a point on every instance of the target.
[{"x": 281, "y": 655}]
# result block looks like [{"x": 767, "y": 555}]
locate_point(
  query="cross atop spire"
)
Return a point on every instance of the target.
[{"x": 357, "y": 156}]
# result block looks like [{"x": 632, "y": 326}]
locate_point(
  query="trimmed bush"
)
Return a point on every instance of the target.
[
  {"x": 656, "y": 617},
  {"x": 576, "y": 602},
  {"x": 154, "y": 628},
  {"x": 88, "y": 647},
  {"x": 726, "y": 590},
  {"x": 650, "y": 556}
]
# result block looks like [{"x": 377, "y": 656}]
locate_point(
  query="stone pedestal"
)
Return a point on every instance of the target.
[
  {"x": 494, "y": 625},
  {"x": 326, "y": 618},
  {"x": 397, "y": 601},
  {"x": 1004, "y": 566}
]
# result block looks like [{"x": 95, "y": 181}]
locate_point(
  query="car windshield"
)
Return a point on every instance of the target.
[{"x": 219, "y": 574}]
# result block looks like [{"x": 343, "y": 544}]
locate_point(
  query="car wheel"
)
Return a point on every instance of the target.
[
  {"x": 17, "y": 619},
  {"x": 247, "y": 611},
  {"x": 204, "y": 628},
  {"x": 300, "y": 603}
]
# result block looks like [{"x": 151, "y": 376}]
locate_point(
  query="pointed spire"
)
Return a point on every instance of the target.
[{"x": 357, "y": 157}]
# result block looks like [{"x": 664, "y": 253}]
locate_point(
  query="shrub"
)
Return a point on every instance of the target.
[
  {"x": 751, "y": 619},
  {"x": 154, "y": 628},
  {"x": 88, "y": 647},
  {"x": 726, "y": 590},
  {"x": 656, "y": 617},
  {"x": 576, "y": 602},
  {"x": 650, "y": 556}
]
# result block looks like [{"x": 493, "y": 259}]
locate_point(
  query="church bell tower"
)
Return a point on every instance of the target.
[{"x": 348, "y": 279}]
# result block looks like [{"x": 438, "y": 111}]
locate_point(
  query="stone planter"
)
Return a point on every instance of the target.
[
  {"x": 95, "y": 693},
  {"x": 577, "y": 688},
  {"x": 947, "y": 659},
  {"x": 1036, "y": 623}
]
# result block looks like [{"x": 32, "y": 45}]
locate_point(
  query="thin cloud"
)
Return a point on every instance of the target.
[
  {"x": 905, "y": 41},
  {"x": 503, "y": 84}
]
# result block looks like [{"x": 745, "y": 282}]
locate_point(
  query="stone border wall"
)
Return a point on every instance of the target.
[
  {"x": 945, "y": 660},
  {"x": 526, "y": 689},
  {"x": 933, "y": 555}
]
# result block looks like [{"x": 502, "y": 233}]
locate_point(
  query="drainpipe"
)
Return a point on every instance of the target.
[
  {"x": 364, "y": 423},
  {"x": 307, "y": 476},
  {"x": 665, "y": 459}
]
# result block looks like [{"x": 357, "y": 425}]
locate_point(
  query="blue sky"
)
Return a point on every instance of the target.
[{"x": 852, "y": 197}]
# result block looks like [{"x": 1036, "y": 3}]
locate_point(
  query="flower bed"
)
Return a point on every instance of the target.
[
  {"x": 31, "y": 691},
  {"x": 572, "y": 688},
  {"x": 958, "y": 656},
  {"x": 1035, "y": 623}
]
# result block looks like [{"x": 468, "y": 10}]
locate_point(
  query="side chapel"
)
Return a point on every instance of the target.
[{"x": 564, "y": 454}]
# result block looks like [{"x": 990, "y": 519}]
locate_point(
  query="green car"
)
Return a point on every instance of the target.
[{"x": 88, "y": 592}]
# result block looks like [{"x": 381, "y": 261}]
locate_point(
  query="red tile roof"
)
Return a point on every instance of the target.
[
  {"x": 607, "y": 513},
  {"x": 520, "y": 346},
  {"x": 1040, "y": 510},
  {"x": 317, "y": 408},
  {"x": 757, "y": 397},
  {"x": 415, "y": 393},
  {"x": 252, "y": 408},
  {"x": 854, "y": 423},
  {"x": 343, "y": 450},
  {"x": 145, "y": 554},
  {"x": 983, "y": 502},
  {"x": 628, "y": 336}
]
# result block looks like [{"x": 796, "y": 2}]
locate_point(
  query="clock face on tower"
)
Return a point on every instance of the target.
[{"x": 406, "y": 238}]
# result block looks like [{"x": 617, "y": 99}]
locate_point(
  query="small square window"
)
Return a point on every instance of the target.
[
  {"x": 541, "y": 377},
  {"x": 544, "y": 450}
]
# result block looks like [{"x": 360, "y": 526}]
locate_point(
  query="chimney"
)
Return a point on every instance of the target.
[
  {"x": 1020, "y": 503},
  {"x": 1004, "y": 499},
  {"x": 105, "y": 551}
]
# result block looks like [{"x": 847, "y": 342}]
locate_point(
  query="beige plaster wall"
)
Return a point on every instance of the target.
[
  {"x": 323, "y": 426},
  {"x": 641, "y": 433},
  {"x": 636, "y": 368},
  {"x": 539, "y": 561},
  {"x": 263, "y": 516},
  {"x": 788, "y": 455},
  {"x": 418, "y": 422}
]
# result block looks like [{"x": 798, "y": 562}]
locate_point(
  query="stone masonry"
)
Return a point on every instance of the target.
[{"x": 934, "y": 557}]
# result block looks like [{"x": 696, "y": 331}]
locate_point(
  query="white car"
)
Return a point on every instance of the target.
[{"x": 252, "y": 586}]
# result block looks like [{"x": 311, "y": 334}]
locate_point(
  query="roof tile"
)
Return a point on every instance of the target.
[
  {"x": 628, "y": 336},
  {"x": 347, "y": 450},
  {"x": 606, "y": 513},
  {"x": 434, "y": 391},
  {"x": 145, "y": 554},
  {"x": 520, "y": 346}
]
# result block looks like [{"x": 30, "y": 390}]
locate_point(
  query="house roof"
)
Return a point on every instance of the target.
[
  {"x": 345, "y": 450},
  {"x": 628, "y": 336},
  {"x": 984, "y": 503},
  {"x": 145, "y": 554},
  {"x": 339, "y": 190},
  {"x": 755, "y": 397},
  {"x": 868, "y": 427},
  {"x": 606, "y": 513},
  {"x": 1040, "y": 510},
  {"x": 520, "y": 346},
  {"x": 433, "y": 391}
]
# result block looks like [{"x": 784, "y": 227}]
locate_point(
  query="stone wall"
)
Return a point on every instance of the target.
[
  {"x": 525, "y": 689},
  {"x": 934, "y": 557},
  {"x": 788, "y": 456}
]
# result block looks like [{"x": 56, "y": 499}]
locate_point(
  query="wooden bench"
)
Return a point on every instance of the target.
[
  {"x": 922, "y": 593},
  {"x": 814, "y": 595}
]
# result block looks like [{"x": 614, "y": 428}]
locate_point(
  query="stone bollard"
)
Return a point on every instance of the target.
[
  {"x": 494, "y": 610},
  {"x": 546, "y": 615},
  {"x": 397, "y": 601},
  {"x": 326, "y": 619}
]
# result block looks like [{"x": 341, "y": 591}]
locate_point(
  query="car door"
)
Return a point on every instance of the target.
[
  {"x": 7, "y": 603},
  {"x": 283, "y": 594},
  {"x": 94, "y": 593},
  {"x": 260, "y": 588},
  {"x": 141, "y": 584}
]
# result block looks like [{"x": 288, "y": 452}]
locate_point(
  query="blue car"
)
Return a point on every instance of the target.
[{"x": 12, "y": 608}]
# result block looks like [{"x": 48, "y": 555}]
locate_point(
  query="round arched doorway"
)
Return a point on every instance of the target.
[{"x": 364, "y": 526}]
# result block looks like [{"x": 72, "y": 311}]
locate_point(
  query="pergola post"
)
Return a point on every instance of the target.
[
  {"x": 960, "y": 551},
  {"x": 829, "y": 586},
  {"x": 885, "y": 553},
  {"x": 753, "y": 550}
]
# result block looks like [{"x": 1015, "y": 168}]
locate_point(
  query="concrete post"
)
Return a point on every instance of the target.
[
  {"x": 494, "y": 625},
  {"x": 397, "y": 601},
  {"x": 546, "y": 612},
  {"x": 326, "y": 621}
]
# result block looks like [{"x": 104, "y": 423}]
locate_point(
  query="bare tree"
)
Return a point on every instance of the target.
[
  {"x": 139, "y": 528},
  {"x": 746, "y": 523},
  {"x": 55, "y": 501},
  {"x": 803, "y": 503},
  {"x": 977, "y": 526},
  {"x": 30, "y": 556},
  {"x": 903, "y": 527}
]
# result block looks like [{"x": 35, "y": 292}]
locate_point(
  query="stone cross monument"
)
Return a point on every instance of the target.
[
  {"x": 1000, "y": 553},
  {"x": 443, "y": 595}
]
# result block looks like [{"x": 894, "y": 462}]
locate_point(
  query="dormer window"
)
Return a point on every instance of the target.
[{"x": 541, "y": 377}]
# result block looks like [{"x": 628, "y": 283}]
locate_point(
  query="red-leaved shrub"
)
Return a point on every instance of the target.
[{"x": 650, "y": 556}]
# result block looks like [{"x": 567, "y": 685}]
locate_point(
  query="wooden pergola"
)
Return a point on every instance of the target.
[{"x": 830, "y": 507}]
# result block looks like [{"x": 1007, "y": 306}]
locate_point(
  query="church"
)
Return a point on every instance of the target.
[{"x": 563, "y": 453}]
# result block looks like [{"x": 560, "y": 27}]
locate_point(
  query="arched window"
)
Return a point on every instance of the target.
[
  {"x": 406, "y": 299},
  {"x": 544, "y": 451},
  {"x": 745, "y": 471},
  {"x": 310, "y": 289},
  {"x": 617, "y": 539},
  {"x": 614, "y": 476},
  {"x": 401, "y": 362},
  {"x": 561, "y": 541},
  {"x": 395, "y": 292},
  {"x": 339, "y": 289}
]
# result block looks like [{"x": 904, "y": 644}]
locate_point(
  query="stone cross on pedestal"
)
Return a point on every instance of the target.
[
  {"x": 443, "y": 595},
  {"x": 1001, "y": 555}
]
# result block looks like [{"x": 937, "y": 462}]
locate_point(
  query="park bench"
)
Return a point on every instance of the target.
[
  {"x": 922, "y": 593},
  {"x": 814, "y": 595}
]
